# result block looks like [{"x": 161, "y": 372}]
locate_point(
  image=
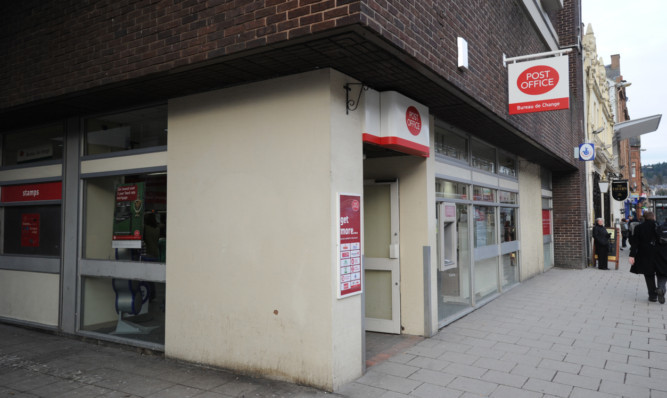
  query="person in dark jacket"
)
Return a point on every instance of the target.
[
  {"x": 625, "y": 231},
  {"x": 601, "y": 240},
  {"x": 642, "y": 255},
  {"x": 660, "y": 261}
]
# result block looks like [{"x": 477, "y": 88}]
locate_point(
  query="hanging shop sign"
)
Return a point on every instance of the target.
[
  {"x": 619, "y": 190},
  {"x": 394, "y": 121},
  {"x": 587, "y": 151},
  {"x": 31, "y": 192},
  {"x": 349, "y": 245},
  {"x": 539, "y": 85},
  {"x": 128, "y": 217}
]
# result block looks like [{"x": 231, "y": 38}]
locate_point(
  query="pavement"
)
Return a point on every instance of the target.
[{"x": 565, "y": 333}]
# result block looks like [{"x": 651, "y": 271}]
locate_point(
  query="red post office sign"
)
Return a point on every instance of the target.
[
  {"x": 31, "y": 192},
  {"x": 538, "y": 86},
  {"x": 394, "y": 121},
  {"x": 349, "y": 245}
]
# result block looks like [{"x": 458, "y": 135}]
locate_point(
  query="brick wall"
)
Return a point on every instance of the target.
[
  {"x": 58, "y": 47},
  {"x": 62, "y": 46}
]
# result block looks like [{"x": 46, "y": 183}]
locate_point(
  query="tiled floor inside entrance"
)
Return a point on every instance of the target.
[{"x": 382, "y": 346}]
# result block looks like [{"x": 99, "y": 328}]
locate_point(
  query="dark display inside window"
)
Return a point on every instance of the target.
[{"x": 32, "y": 230}]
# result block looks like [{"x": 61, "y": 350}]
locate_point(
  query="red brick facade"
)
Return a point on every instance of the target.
[{"x": 67, "y": 58}]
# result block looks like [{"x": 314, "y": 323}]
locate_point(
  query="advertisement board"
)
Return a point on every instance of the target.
[
  {"x": 128, "y": 222},
  {"x": 539, "y": 85},
  {"x": 30, "y": 230},
  {"x": 349, "y": 245}
]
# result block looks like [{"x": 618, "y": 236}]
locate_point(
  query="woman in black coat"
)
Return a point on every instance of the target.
[
  {"x": 660, "y": 262},
  {"x": 642, "y": 255},
  {"x": 601, "y": 240}
]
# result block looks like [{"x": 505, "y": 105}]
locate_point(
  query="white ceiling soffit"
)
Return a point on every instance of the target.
[{"x": 637, "y": 127}]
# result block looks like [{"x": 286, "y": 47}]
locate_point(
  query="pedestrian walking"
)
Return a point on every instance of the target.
[
  {"x": 660, "y": 260},
  {"x": 642, "y": 258},
  {"x": 625, "y": 231},
  {"x": 601, "y": 240}
]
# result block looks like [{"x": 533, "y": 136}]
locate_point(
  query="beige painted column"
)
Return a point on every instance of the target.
[
  {"x": 254, "y": 173},
  {"x": 530, "y": 219}
]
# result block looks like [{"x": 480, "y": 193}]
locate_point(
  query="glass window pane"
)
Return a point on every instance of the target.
[
  {"x": 450, "y": 190},
  {"x": 483, "y": 194},
  {"x": 486, "y": 278},
  {"x": 483, "y": 156},
  {"x": 140, "y": 305},
  {"x": 454, "y": 282},
  {"x": 451, "y": 144},
  {"x": 508, "y": 222},
  {"x": 126, "y": 217},
  {"x": 31, "y": 230},
  {"x": 33, "y": 145},
  {"x": 142, "y": 128},
  {"x": 508, "y": 198},
  {"x": 510, "y": 269},
  {"x": 506, "y": 164},
  {"x": 485, "y": 226}
]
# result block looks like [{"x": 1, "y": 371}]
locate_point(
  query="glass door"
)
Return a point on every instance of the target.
[{"x": 453, "y": 268}]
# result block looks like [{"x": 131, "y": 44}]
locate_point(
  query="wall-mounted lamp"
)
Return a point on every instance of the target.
[
  {"x": 462, "y": 46},
  {"x": 598, "y": 131},
  {"x": 622, "y": 84},
  {"x": 604, "y": 186}
]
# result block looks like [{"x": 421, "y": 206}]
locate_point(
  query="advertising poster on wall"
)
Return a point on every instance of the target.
[
  {"x": 349, "y": 245},
  {"x": 30, "y": 230},
  {"x": 128, "y": 217}
]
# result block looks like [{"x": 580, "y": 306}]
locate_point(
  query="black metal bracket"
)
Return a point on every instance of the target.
[{"x": 351, "y": 104}]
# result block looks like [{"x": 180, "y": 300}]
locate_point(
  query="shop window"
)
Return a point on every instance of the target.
[
  {"x": 483, "y": 194},
  {"x": 137, "y": 129},
  {"x": 31, "y": 230},
  {"x": 451, "y": 190},
  {"x": 126, "y": 217},
  {"x": 486, "y": 278},
  {"x": 451, "y": 145},
  {"x": 506, "y": 164},
  {"x": 31, "y": 221},
  {"x": 510, "y": 269},
  {"x": 483, "y": 156},
  {"x": 507, "y": 198},
  {"x": 33, "y": 145},
  {"x": 508, "y": 224},
  {"x": 485, "y": 226},
  {"x": 132, "y": 309}
]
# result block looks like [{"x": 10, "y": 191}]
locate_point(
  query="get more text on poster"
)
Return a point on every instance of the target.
[
  {"x": 349, "y": 245},
  {"x": 128, "y": 216}
]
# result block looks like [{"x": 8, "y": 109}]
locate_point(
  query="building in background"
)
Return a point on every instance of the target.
[
  {"x": 627, "y": 136},
  {"x": 599, "y": 131},
  {"x": 221, "y": 180}
]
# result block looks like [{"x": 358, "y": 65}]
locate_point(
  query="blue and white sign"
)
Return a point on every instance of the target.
[{"x": 587, "y": 151}]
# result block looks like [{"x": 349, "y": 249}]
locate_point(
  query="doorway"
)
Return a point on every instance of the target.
[{"x": 381, "y": 254}]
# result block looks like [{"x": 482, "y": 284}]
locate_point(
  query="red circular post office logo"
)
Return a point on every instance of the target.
[
  {"x": 413, "y": 120},
  {"x": 537, "y": 80}
]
